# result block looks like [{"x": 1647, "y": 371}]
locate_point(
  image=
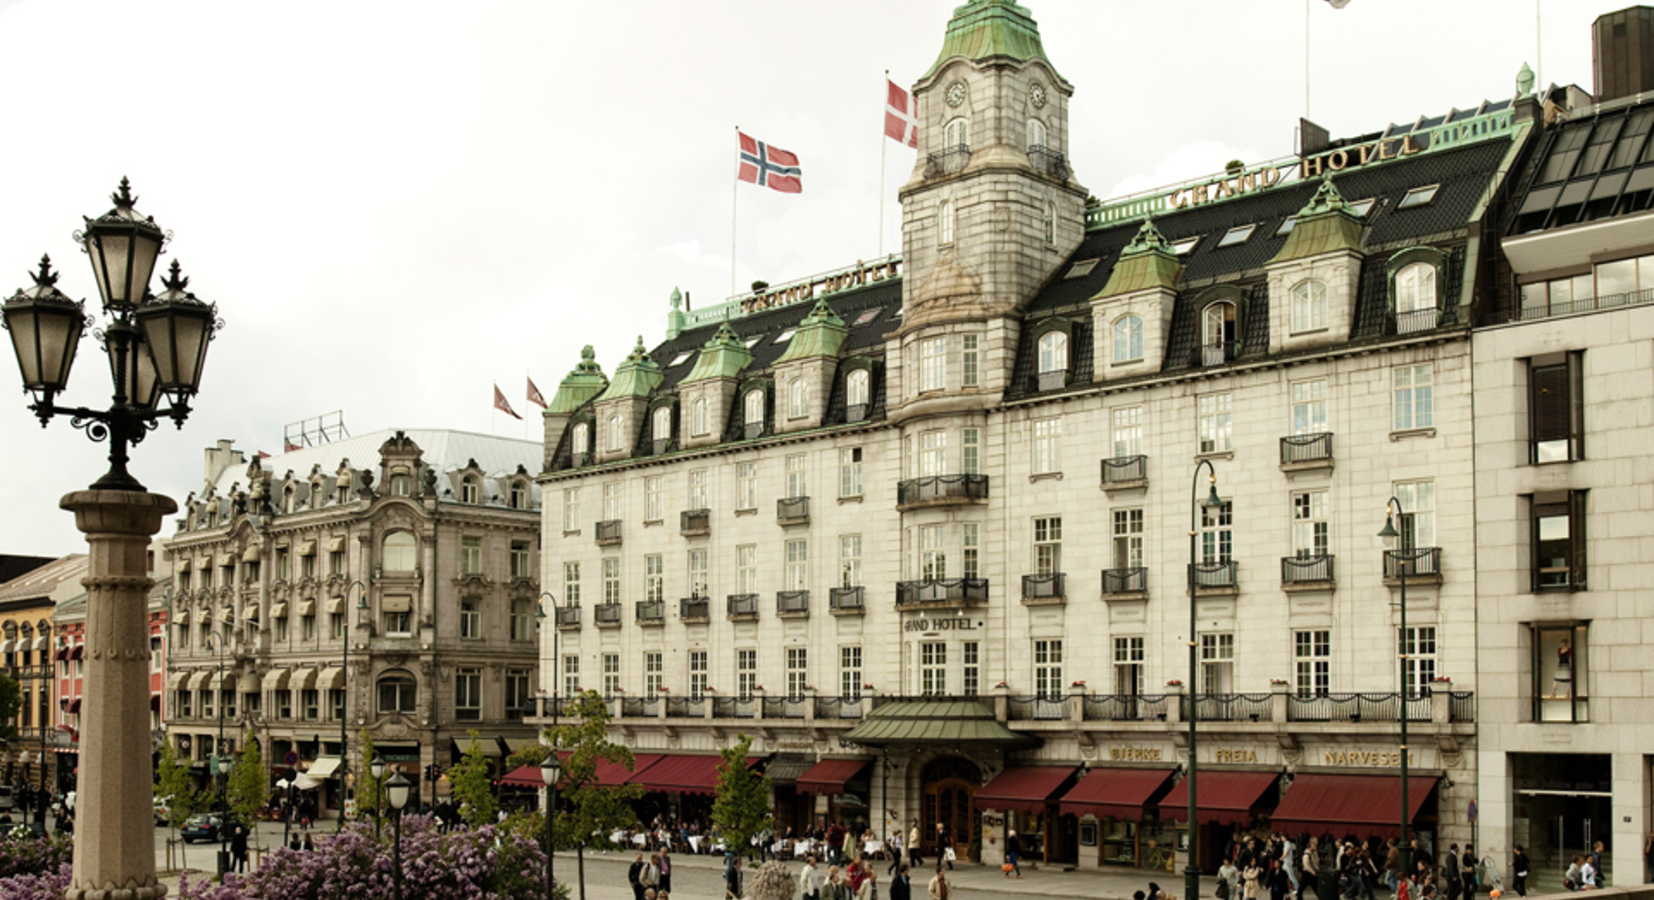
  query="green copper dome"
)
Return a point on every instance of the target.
[
  {"x": 1147, "y": 262},
  {"x": 724, "y": 356},
  {"x": 986, "y": 28},
  {"x": 820, "y": 334},
  {"x": 582, "y": 384},
  {"x": 1324, "y": 225},
  {"x": 638, "y": 376}
]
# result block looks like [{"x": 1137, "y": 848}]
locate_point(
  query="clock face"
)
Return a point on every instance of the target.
[
  {"x": 1036, "y": 95},
  {"x": 956, "y": 93}
]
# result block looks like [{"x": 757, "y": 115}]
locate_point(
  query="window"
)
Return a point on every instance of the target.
[
  {"x": 746, "y": 673},
  {"x": 520, "y": 560},
  {"x": 1053, "y": 352},
  {"x": 580, "y": 441},
  {"x": 1217, "y": 430},
  {"x": 1217, "y": 663},
  {"x": 798, "y": 399},
  {"x": 697, "y": 490},
  {"x": 868, "y": 315},
  {"x": 1418, "y": 658},
  {"x": 611, "y": 580},
  {"x": 571, "y": 675},
  {"x": 571, "y": 509},
  {"x": 1309, "y": 407},
  {"x": 1309, "y": 524},
  {"x": 1047, "y": 437},
  {"x": 945, "y": 219},
  {"x": 1556, "y": 408},
  {"x": 571, "y": 583},
  {"x": 697, "y": 573},
  {"x": 1127, "y": 424},
  {"x": 651, "y": 499},
  {"x": 1559, "y": 541},
  {"x": 1036, "y": 135},
  {"x": 798, "y": 672},
  {"x": 1217, "y": 332},
  {"x": 1415, "y": 402},
  {"x": 1416, "y": 288},
  {"x": 753, "y": 410},
  {"x": 956, "y": 135},
  {"x": 1312, "y": 663},
  {"x": 516, "y": 694},
  {"x": 469, "y": 492},
  {"x": 1048, "y": 669},
  {"x": 1128, "y": 538},
  {"x": 971, "y": 672},
  {"x": 1286, "y": 226},
  {"x": 746, "y": 486},
  {"x": 849, "y": 673},
  {"x": 1128, "y": 339},
  {"x": 1050, "y": 222},
  {"x": 849, "y": 472},
  {"x": 933, "y": 355},
  {"x": 1237, "y": 235},
  {"x": 311, "y": 701},
  {"x": 284, "y": 564},
  {"x": 1048, "y": 545},
  {"x": 468, "y": 694},
  {"x": 308, "y": 630},
  {"x": 397, "y": 553},
  {"x": 1217, "y": 536},
  {"x": 797, "y": 480},
  {"x": 970, "y": 544},
  {"x": 798, "y": 559},
  {"x": 1309, "y": 306},
  {"x": 933, "y": 453},
  {"x": 785, "y": 336},
  {"x": 611, "y": 501},
  {"x": 697, "y": 417},
  {"x": 1184, "y": 245},
  {"x": 662, "y": 428},
  {"x": 1418, "y": 514},
  {"x": 933, "y": 668},
  {"x": 654, "y": 577},
  {"x": 611, "y": 675},
  {"x": 849, "y": 560},
  {"x": 335, "y": 704},
  {"x": 519, "y": 495},
  {"x": 617, "y": 432},
  {"x": 280, "y": 637},
  {"x": 652, "y": 673},
  {"x": 933, "y": 559},
  {"x": 1082, "y": 268},
  {"x": 1128, "y": 666},
  {"x": 1418, "y": 196},
  {"x": 969, "y": 342},
  {"x": 1561, "y": 683},
  {"x": 1360, "y": 208},
  {"x": 746, "y": 569},
  {"x": 520, "y": 618},
  {"x": 307, "y": 566},
  {"x": 336, "y": 562},
  {"x": 335, "y": 626},
  {"x": 697, "y": 674},
  {"x": 971, "y": 452},
  {"x": 470, "y": 555},
  {"x": 398, "y": 612},
  {"x": 470, "y": 619}
]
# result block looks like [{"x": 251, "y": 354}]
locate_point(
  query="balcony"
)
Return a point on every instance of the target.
[
  {"x": 1125, "y": 473},
  {"x": 1048, "y": 162},
  {"x": 852, "y": 707},
  {"x": 606, "y": 615},
  {"x": 792, "y": 511},
  {"x": 734, "y": 707},
  {"x": 941, "y": 490},
  {"x": 568, "y": 618},
  {"x": 1034, "y": 708},
  {"x": 1419, "y": 566},
  {"x": 1568, "y": 307},
  {"x": 686, "y": 707},
  {"x": 1126, "y": 584},
  {"x": 847, "y": 601},
  {"x": 695, "y": 522},
  {"x": 1235, "y": 707},
  {"x": 1043, "y": 590},
  {"x": 1219, "y": 578},
  {"x": 792, "y": 604},
  {"x": 694, "y": 610},
  {"x": 1415, "y": 320},
  {"x": 608, "y": 533},
  {"x": 1208, "y": 355},
  {"x": 947, "y": 161},
  {"x": 783, "y": 707},
  {"x": 1353, "y": 707},
  {"x": 743, "y": 607},
  {"x": 1307, "y": 573},
  {"x": 941, "y": 593},
  {"x": 1306, "y": 452},
  {"x": 1124, "y": 708},
  {"x": 651, "y": 612}
]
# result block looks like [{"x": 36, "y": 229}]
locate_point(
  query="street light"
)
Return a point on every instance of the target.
[
  {"x": 224, "y": 764},
  {"x": 214, "y": 641},
  {"x": 377, "y": 769},
  {"x": 344, "y": 717},
  {"x": 1393, "y": 508},
  {"x": 551, "y": 771},
  {"x": 556, "y": 660},
  {"x": 399, "y": 789},
  {"x": 1191, "y": 869}
]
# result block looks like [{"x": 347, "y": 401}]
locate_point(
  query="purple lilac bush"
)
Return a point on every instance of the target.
[
  {"x": 46, "y": 884},
  {"x": 34, "y": 855}
]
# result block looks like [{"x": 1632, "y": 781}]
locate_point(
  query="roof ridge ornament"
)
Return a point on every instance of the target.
[
  {"x": 1524, "y": 80},
  {"x": 1148, "y": 238},
  {"x": 1325, "y": 200}
]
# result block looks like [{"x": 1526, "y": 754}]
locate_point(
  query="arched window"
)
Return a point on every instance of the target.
[
  {"x": 945, "y": 223},
  {"x": 956, "y": 135},
  {"x": 1217, "y": 333},
  {"x": 663, "y": 423},
  {"x": 519, "y": 495},
  {"x": 401, "y": 484},
  {"x": 1416, "y": 288},
  {"x": 798, "y": 399},
  {"x": 1309, "y": 306},
  {"x": 617, "y": 431},
  {"x": 754, "y": 412},
  {"x": 856, "y": 388},
  {"x": 580, "y": 440},
  {"x": 1128, "y": 339},
  {"x": 398, "y": 693},
  {"x": 1036, "y": 135},
  {"x": 1050, "y": 223},
  {"x": 469, "y": 490},
  {"x": 1053, "y": 352},
  {"x": 697, "y": 416},
  {"x": 397, "y": 554}
]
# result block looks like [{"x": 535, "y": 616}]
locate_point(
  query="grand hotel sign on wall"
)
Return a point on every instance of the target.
[{"x": 1253, "y": 180}]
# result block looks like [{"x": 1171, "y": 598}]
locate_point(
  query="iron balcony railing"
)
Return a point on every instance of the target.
[
  {"x": 1305, "y": 448},
  {"x": 792, "y": 509},
  {"x": 1134, "y": 580},
  {"x": 1234, "y": 707},
  {"x": 1415, "y": 320},
  {"x": 1027, "y": 708},
  {"x": 608, "y": 533},
  {"x": 651, "y": 611},
  {"x": 1124, "y": 708},
  {"x": 1215, "y": 354},
  {"x": 694, "y": 522},
  {"x": 948, "y": 161},
  {"x": 1040, "y": 587},
  {"x": 942, "y": 590},
  {"x": 1582, "y": 304},
  {"x": 606, "y": 614},
  {"x": 1125, "y": 470},
  {"x": 1461, "y": 706},
  {"x": 1216, "y": 575},
  {"x": 1048, "y": 162},
  {"x": 846, "y": 598},
  {"x": 842, "y": 707},
  {"x": 1355, "y": 707},
  {"x": 694, "y": 608},
  {"x": 942, "y": 487},
  {"x": 784, "y": 707},
  {"x": 1425, "y": 561},
  {"x": 743, "y": 605},
  {"x": 792, "y": 602},
  {"x": 734, "y": 707},
  {"x": 685, "y": 707},
  {"x": 1306, "y": 569},
  {"x": 568, "y": 617}
]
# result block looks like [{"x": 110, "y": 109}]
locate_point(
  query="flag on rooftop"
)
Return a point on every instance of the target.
[
  {"x": 769, "y": 166},
  {"x": 501, "y": 404},
  {"x": 901, "y": 124},
  {"x": 534, "y": 395}
]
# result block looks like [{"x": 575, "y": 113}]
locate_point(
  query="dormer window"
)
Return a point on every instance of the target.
[
  {"x": 798, "y": 399},
  {"x": 580, "y": 441},
  {"x": 1036, "y": 135},
  {"x": 1416, "y": 298},
  {"x": 469, "y": 491},
  {"x": 856, "y": 388},
  {"x": 945, "y": 222},
  {"x": 1419, "y": 196},
  {"x": 1217, "y": 333},
  {"x": 662, "y": 427},
  {"x": 1185, "y": 245},
  {"x": 401, "y": 485},
  {"x": 680, "y": 359},
  {"x": 519, "y": 495},
  {"x": 1309, "y": 306},
  {"x": 617, "y": 432},
  {"x": 1237, "y": 235},
  {"x": 1128, "y": 339},
  {"x": 753, "y": 413},
  {"x": 956, "y": 136},
  {"x": 1053, "y": 352},
  {"x": 697, "y": 417},
  {"x": 1360, "y": 208}
]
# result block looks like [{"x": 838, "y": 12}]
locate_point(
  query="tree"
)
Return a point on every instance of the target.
[
  {"x": 528, "y": 755},
  {"x": 11, "y": 703},
  {"x": 173, "y": 785},
  {"x": 367, "y": 789},
  {"x": 591, "y": 812},
  {"x": 472, "y": 787},
  {"x": 741, "y": 808},
  {"x": 248, "y": 789}
]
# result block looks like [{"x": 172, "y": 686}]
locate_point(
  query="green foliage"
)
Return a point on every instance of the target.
[
  {"x": 173, "y": 784},
  {"x": 529, "y": 755},
  {"x": 11, "y": 703},
  {"x": 472, "y": 787},
  {"x": 741, "y": 808},
  {"x": 589, "y": 814},
  {"x": 249, "y": 786},
  {"x": 367, "y": 790}
]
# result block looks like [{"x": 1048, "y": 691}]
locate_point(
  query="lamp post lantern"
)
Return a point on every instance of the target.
[
  {"x": 376, "y": 768},
  {"x": 1393, "y": 508},
  {"x": 344, "y": 718},
  {"x": 399, "y": 789},
  {"x": 1191, "y": 868},
  {"x": 551, "y": 771},
  {"x": 220, "y": 765}
]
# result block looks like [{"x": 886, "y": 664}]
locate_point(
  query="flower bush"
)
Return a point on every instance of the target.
[
  {"x": 466, "y": 864},
  {"x": 44, "y": 885},
  {"x": 22, "y": 854}
]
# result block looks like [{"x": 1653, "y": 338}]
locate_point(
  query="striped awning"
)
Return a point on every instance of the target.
[
  {"x": 331, "y": 678},
  {"x": 250, "y": 554},
  {"x": 41, "y": 643},
  {"x": 279, "y": 611},
  {"x": 308, "y": 548},
  {"x": 304, "y": 679},
  {"x": 275, "y": 679},
  {"x": 336, "y": 544},
  {"x": 7, "y": 646}
]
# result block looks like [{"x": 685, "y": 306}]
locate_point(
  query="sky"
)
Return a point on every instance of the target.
[{"x": 397, "y": 204}]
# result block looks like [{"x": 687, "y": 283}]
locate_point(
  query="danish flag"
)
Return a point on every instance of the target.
[
  {"x": 769, "y": 166},
  {"x": 901, "y": 123}
]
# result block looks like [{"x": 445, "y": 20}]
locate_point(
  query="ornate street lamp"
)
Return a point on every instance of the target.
[
  {"x": 225, "y": 763},
  {"x": 376, "y": 768},
  {"x": 551, "y": 771},
  {"x": 1392, "y": 508},
  {"x": 399, "y": 789},
  {"x": 344, "y": 666},
  {"x": 1191, "y": 868}
]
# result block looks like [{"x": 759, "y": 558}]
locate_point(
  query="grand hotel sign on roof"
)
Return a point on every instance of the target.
[
  {"x": 818, "y": 285},
  {"x": 1267, "y": 176}
]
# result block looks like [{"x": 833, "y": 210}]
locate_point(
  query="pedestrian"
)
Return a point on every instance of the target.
[
  {"x": 294, "y": 844},
  {"x": 914, "y": 860},
  {"x": 869, "y": 889},
  {"x": 665, "y": 871},
  {"x": 833, "y": 888},
  {"x": 809, "y": 879},
  {"x": 1011, "y": 856},
  {"x": 1289, "y": 861},
  {"x": 238, "y": 849},
  {"x": 1228, "y": 886},
  {"x": 1467, "y": 872},
  {"x": 732, "y": 882},
  {"x": 1596, "y": 862},
  {"x": 1519, "y": 868},
  {"x": 944, "y": 845},
  {"x": 901, "y": 887},
  {"x": 650, "y": 876},
  {"x": 895, "y": 848},
  {"x": 634, "y": 877},
  {"x": 1280, "y": 886},
  {"x": 309, "y": 842},
  {"x": 1311, "y": 866},
  {"x": 1249, "y": 877},
  {"x": 1450, "y": 872},
  {"x": 1392, "y": 865},
  {"x": 1571, "y": 879},
  {"x": 938, "y": 889},
  {"x": 1587, "y": 876}
]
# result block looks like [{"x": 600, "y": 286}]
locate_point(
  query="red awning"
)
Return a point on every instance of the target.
[
  {"x": 1121, "y": 793},
  {"x": 74, "y": 706},
  {"x": 1365, "y": 804},
  {"x": 676, "y": 774},
  {"x": 62, "y": 653},
  {"x": 524, "y": 776},
  {"x": 1223, "y": 798},
  {"x": 829, "y": 775},
  {"x": 76, "y": 653},
  {"x": 1023, "y": 788},
  {"x": 155, "y": 702}
]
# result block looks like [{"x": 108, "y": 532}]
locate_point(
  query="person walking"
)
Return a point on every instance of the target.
[
  {"x": 895, "y": 848},
  {"x": 1249, "y": 876},
  {"x": 869, "y": 889},
  {"x": 1289, "y": 862},
  {"x": 809, "y": 879},
  {"x": 1450, "y": 872},
  {"x": 634, "y": 877},
  {"x": 1467, "y": 872},
  {"x": 650, "y": 876},
  {"x": 238, "y": 849},
  {"x": 913, "y": 846},
  {"x": 1011, "y": 856},
  {"x": 1228, "y": 886},
  {"x": 939, "y": 884},
  {"x": 834, "y": 888},
  {"x": 1519, "y": 869},
  {"x": 944, "y": 845},
  {"x": 1392, "y": 865},
  {"x": 1311, "y": 869},
  {"x": 665, "y": 870},
  {"x": 901, "y": 887}
]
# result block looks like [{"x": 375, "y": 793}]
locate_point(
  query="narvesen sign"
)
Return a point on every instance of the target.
[{"x": 1309, "y": 167}]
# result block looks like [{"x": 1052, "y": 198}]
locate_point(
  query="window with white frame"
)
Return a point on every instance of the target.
[
  {"x": 1416, "y": 288},
  {"x": 1053, "y": 352},
  {"x": 797, "y": 477},
  {"x": 580, "y": 440},
  {"x": 521, "y": 560},
  {"x": 651, "y": 498},
  {"x": 697, "y": 417},
  {"x": 1312, "y": 662},
  {"x": 1128, "y": 538},
  {"x": 1309, "y": 407},
  {"x": 468, "y": 694},
  {"x": 697, "y": 674},
  {"x": 798, "y": 672},
  {"x": 1048, "y": 545},
  {"x": 697, "y": 573},
  {"x": 571, "y": 583},
  {"x": 611, "y": 501},
  {"x": 956, "y": 135},
  {"x": 617, "y": 432},
  {"x": 753, "y": 411},
  {"x": 746, "y": 569},
  {"x": 662, "y": 428},
  {"x": 1129, "y": 665},
  {"x": 746, "y": 673},
  {"x": 470, "y": 555},
  {"x": 933, "y": 668},
  {"x": 933, "y": 358},
  {"x": 849, "y": 560},
  {"x": 971, "y": 367},
  {"x": 697, "y": 490},
  {"x": 849, "y": 673},
  {"x": 1418, "y": 657},
  {"x": 611, "y": 675},
  {"x": 746, "y": 485},
  {"x": 654, "y": 577},
  {"x": 945, "y": 221},
  {"x": 571, "y": 675},
  {"x": 1310, "y": 530},
  {"x": 1050, "y": 222},
  {"x": 516, "y": 693},
  {"x": 857, "y": 387},
  {"x": 1128, "y": 339},
  {"x": 1217, "y": 429},
  {"x": 849, "y": 472},
  {"x": 398, "y": 553},
  {"x": 933, "y": 453},
  {"x": 1415, "y": 396},
  {"x": 933, "y": 558},
  {"x": 1418, "y": 514},
  {"x": 971, "y": 450},
  {"x": 1217, "y": 534},
  {"x": 571, "y": 509},
  {"x": 1309, "y": 306},
  {"x": 1036, "y": 135},
  {"x": 798, "y": 563},
  {"x": 611, "y": 580},
  {"x": 970, "y": 672},
  {"x": 520, "y": 618},
  {"x": 1127, "y": 426},
  {"x": 1217, "y": 663},
  {"x": 653, "y": 673},
  {"x": 1047, "y": 440},
  {"x": 971, "y": 550},
  {"x": 470, "y": 618},
  {"x": 798, "y": 399}
]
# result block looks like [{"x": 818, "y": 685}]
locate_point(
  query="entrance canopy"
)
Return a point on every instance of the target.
[
  {"x": 939, "y": 722},
  {"x": 1222, "y": 798},
  {"x": 490, "y": 746},
  {"x": 828, "y": 776},
  {"x": 608, "y": 774},
  {"x": 1121, "y": 793},
  {"x": 1364, "y": 804},
  {"x": 676, "y": 774},
  {"x": 323, "y": 767},
  {"x": 1023, "y": 788},
  {"x": 524, "y": 776}
]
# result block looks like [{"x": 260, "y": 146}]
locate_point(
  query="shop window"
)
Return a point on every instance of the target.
[
  {"x": 1556, "y": 408},
  {"x": 1559, "y": 541},
  {"x": 1560, "y": 685}
]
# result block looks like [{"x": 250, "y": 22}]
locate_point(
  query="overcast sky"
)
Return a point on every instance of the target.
[{"x": 396, "y": 204}]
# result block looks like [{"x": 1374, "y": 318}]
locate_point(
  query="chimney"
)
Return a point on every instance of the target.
[
  {"x": 222, "y": 457},
  {"x": 1622, "y": 53}
]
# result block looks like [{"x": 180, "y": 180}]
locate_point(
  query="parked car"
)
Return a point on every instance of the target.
[
  {"x": 204, "y": 828},
  {"x": 163, "y": 810}
]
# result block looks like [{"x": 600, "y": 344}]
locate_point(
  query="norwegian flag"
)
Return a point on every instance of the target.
[
  {"x": 769, "y": 166},
  {"x": 502, "y": 406},
  {"x": 901, "y": 121},
  {"x": 534, "y": 394}
]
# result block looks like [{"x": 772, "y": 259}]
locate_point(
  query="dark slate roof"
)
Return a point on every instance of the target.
[{"x": 1586, "y": 169}]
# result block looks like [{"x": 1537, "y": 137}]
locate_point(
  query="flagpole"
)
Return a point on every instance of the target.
[
  {"x": 734, "y": 194},
  {"x": 884, "y": 147},
  {"x": 1306, "y": 60}
]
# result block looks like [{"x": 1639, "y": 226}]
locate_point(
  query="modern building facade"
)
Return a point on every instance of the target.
[{"x": 385, "y": 584}]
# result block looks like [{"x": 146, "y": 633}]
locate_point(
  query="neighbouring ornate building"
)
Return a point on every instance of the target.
[
  {"x": 27, "y": 650},
  {"x": 385, "y": 583}
]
